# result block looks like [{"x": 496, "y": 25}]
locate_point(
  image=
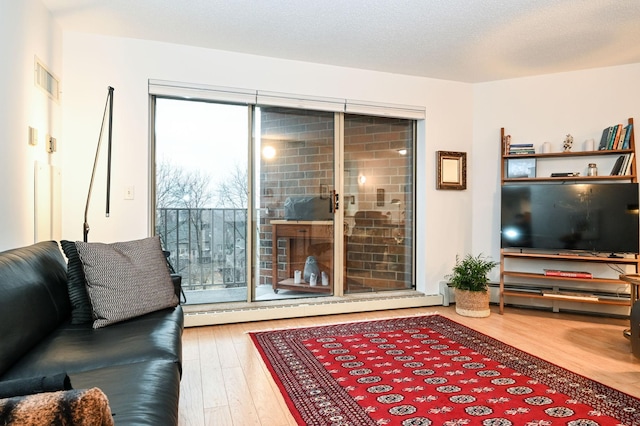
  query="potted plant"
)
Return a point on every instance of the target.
[{"x": 469, "y": 280}]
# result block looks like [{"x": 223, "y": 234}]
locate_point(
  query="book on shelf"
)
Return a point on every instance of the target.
[
  {"x": 612, "y": 130},
  {"x": 627, "y": 170},
  {"x": 567, "y": 274},
  {"x": 521, "y": 148},
  {"x": 616, "y": 137},
  {"x": 570, "y": 295},
  {"x": 522, "y": 152},
  {"x": 622, "y": 167},
  {"x": 617, "y": 166},
  {"x": 618, "y": 296},
  {"x": 627, "y": 136},
  {"x": 619, "y": 139},
  {"x": 604, "y": 139},
  {"x": 565, "y": 174},
  {"x": 626, "y": 165}
]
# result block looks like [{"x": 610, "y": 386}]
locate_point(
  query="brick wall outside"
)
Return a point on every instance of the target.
[
  {"x": 378, "y": 248},
  {"x": 303, "y": 142},
  {"x": 379, "y": 244}
]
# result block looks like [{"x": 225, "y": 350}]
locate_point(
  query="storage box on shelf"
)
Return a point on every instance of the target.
[{"x": 567, "y": 287}]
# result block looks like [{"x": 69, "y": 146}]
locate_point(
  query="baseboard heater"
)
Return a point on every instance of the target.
[{"x": 308, "y": 307}]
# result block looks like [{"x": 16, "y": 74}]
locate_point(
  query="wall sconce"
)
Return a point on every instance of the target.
[
  {"x": 362, "y": 179},
  {"x": 268, "y": 152},
  {"x": 397, "y": 202},
  {"x": 402, "y": 151}
]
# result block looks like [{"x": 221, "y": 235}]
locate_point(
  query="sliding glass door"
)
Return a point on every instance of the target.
[
  {"x": 201, "y": 192},
  {"x": 294, "y": 182},
  {"x": 262, "y": 203},
  {"x": 378, "y": 203}
]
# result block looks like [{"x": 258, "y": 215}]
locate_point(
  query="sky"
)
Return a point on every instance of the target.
[
  {"x": 201, "y": 135},
  {"x": 208, "y": 137}
]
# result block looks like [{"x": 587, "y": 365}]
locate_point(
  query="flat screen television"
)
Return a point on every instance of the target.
[{"x": 594, "y": 217}]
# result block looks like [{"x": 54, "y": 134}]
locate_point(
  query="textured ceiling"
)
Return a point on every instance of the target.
[{"x": 462, "y": 40}]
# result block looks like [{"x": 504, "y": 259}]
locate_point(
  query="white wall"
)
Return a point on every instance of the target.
[
  {"x": 26, "y": 31},
  {"x": 91, "y": 63},
  {"x": 535, "y": 110},
  {"x": 460, "y": 117}
]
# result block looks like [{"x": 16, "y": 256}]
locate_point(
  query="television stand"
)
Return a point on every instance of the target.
[
  {"x": 512, "y": 272},
  {"x": 522, "y": 270}
]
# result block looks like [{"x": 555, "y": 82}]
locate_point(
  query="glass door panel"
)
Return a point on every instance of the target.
[
  {"x": 201, "y": 152},
  {"x": 378, "y": 203},
  {"x": 294, "y": 186}
]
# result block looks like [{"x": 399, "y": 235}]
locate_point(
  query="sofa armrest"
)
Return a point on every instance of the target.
[
  {"x": 21, "y": 387},
  {"x": 177, "y": 285}
]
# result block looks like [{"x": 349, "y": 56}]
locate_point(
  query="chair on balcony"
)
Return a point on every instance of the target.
[{"x": 176, "y": 278}]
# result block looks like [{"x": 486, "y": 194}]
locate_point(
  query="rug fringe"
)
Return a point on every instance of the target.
[{"x": 343, "y": 322}]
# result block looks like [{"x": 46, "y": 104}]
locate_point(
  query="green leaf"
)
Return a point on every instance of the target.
[{"x": 471, "y": 272}]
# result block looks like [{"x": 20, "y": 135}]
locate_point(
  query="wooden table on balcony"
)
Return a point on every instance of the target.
[{"x": 299, "y": 237}]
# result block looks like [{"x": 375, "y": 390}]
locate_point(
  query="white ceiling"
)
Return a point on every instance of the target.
[{"x": 462, "y": 40}]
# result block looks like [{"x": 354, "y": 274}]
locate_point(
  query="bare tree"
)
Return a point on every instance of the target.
[
  {"x": 233, "y": 193},
  {"x": 179, "y": 188},
  {"x": 233, "y": 190},
  {"x": 187, "y": 198}
]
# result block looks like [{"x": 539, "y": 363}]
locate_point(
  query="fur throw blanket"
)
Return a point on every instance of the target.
[{"x": 81, "y": 407}]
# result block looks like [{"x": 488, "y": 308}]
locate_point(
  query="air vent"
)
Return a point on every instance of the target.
[{"x": 47, "y": 81}]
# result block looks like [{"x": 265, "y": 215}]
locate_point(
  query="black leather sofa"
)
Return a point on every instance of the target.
[{"x": 136, "y": 363}]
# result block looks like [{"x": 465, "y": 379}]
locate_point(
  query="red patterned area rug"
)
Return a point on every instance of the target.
[{"x": 429, "y": 370}]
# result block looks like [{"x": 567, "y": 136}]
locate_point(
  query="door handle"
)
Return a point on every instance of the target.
[{"x": 335, "y": 202}]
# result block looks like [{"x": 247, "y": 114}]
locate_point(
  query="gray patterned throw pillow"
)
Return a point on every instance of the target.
[{"x": 126, "y": 279}]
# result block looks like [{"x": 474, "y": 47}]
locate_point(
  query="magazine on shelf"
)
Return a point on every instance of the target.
[{"x": 567, "y": 274}]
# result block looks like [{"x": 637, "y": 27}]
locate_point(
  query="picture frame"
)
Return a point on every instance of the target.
[
  {"x": 380, "y": 197},
  {"x": 521, "y": 168},
  {"x": 451, "y": 170}
]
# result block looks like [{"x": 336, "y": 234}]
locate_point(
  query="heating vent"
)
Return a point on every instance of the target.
[{"x": 47, "y": 81}]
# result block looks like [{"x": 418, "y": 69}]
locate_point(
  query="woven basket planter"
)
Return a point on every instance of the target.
[{"x": 472, "y": 303}]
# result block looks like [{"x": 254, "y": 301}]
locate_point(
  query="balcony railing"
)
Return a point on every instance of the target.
[{"x": 207, "y": 246}]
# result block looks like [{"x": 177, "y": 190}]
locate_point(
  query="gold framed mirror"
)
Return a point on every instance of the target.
[{"x": 451, "y": 169}]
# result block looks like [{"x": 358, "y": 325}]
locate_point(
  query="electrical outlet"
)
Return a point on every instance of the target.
[
  {"x": 128, "y": 192},
  {"x": 52, "y": 144}
]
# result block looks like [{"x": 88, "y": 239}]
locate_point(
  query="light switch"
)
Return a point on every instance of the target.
[{"x": 128, "y": 192}]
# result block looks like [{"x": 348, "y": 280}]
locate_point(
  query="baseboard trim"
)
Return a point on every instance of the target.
[{"x": 310, "y": 307}]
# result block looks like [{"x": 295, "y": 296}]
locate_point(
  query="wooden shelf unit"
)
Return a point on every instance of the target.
[
  {"x": 298, "y": 237},
  {"x": 506, "y": 254},
  {"x": 634, "y": 262},
  {"x": 571, "y": 154}
]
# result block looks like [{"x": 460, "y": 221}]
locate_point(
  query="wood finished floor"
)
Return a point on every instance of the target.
[{"x": 225, "y": 382}]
